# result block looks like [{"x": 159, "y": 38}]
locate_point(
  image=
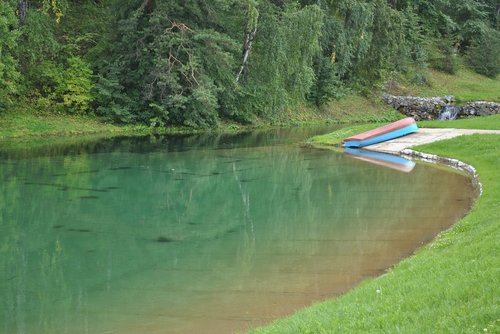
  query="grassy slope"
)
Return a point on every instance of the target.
[
  {"x": 27, "y": 124},
  {"x": 449, "y": 286},
  {"x": 465, "y": 85},
  {"x": 357, "y": 109}
]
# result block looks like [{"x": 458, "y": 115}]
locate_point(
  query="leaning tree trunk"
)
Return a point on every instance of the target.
[
  {"x": 250, "y": 32},
  {"x": 247, "y": 46}
]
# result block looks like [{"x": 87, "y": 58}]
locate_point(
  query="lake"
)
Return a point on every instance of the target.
[{"x": 202, "y": 234}]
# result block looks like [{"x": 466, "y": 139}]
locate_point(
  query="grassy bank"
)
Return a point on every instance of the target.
[
  {"x": 26, "y": 125},
  {"x": 448, "y": 286},
  {"x": 335, "y": 138},
  {"x": 465, "y": 85},
  {"x": 487, "y": 123},
  {"x": 23, "y": 123}
]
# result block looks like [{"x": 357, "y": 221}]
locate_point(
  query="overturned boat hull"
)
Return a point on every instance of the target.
[{"x": 384, "y": 133}]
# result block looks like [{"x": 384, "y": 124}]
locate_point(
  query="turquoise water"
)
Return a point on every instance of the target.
[{"x": 201, "y": 234}]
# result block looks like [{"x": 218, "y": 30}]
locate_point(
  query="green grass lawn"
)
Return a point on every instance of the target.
[
  {"x": 449, "y": 286},
  {"x": 487, "y": 123},
  {"x": 336, "y": 138},
  {"x": 24, "y": 125}
]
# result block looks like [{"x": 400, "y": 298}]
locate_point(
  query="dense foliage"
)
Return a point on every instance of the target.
[{"x": 194, "y": 62}]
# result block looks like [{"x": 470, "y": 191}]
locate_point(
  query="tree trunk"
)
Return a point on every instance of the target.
[
  {"x": 250, "y": 31},
  {"x": 247, "y": 46},
  {"x": 22, "y": 9},
  {"x": 149, "y": 6}
]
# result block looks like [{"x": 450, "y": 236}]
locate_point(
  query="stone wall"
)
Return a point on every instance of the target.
[
  {"x": 419, "y": 108},
  {"x": 422, "y": 108},
  {"x": 480, "y": 108}
]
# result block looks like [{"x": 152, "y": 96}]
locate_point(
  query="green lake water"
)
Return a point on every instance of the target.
[{"x": 201, "y": 234}]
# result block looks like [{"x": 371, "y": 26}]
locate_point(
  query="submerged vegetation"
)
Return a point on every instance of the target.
[
  {"x": 449, "y": 286},
  {"x": 200, "y": 63}
]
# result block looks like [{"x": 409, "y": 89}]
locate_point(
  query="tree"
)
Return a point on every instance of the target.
[
  {"x": 181, "y": 64},
  {"x": 9, "y": 33},
  {"x": 281, "y": 73},
  {"x": 484, "y": 54}
]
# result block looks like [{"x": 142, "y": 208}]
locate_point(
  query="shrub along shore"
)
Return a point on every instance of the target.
[
  {"x": 448, "y": 286},
  {"x": 24, "y": 122}
]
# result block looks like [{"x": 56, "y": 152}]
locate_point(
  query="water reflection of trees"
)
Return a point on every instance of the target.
[
  {"x": 194, "y": 220},
  {"x": 147, "y": 144}
]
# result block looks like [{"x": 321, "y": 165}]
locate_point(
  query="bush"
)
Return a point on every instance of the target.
[
  {"x": 63, "y": 89},
  {"x": 111, "y": 102},
  {"x": 75, "y": 87}
]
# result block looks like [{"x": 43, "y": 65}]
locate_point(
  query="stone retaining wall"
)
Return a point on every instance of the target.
[
  {"x": 480, "y": 108},
  {"x": 422, "y": 108}
]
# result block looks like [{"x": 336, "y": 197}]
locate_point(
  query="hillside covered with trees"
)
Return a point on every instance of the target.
[{"x": 185, "y": 62}]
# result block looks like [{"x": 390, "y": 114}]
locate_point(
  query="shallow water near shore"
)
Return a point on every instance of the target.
[{"x": 202, "y": 234}]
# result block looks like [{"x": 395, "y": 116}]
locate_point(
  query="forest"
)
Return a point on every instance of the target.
[{"x": 195, "y": 63}]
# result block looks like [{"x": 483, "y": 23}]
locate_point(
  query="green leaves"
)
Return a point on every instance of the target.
[
  {"x": 9, "y": 74},
  {"x": 194, "y": 62},
  {"x": 180, "y": 65},
  {"x": 63, "y": 88},
  {"x": 76, "y": 86},
  {"x": 281, "y": 69},
  {"x": 484, "y": 54}
]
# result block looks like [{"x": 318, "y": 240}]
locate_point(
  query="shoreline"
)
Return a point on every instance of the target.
[
  {"x": 449, "y": 284},
  {"x": 450, "y": 162},
  {"x": 402, "y": 146},
  {"x": 423, "y": 136}
]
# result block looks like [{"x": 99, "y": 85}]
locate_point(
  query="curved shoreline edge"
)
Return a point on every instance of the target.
[
  {"x": 449, "y": 284},
  {"x": 450, "y": 162}
]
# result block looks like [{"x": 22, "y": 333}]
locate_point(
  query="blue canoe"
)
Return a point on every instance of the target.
[{"x": 387, "y": 132}]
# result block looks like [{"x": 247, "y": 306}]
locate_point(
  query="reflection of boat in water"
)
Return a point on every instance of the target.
[
  {"x": 382, "y": 159},
  {"x": 383, "y": 133}
]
